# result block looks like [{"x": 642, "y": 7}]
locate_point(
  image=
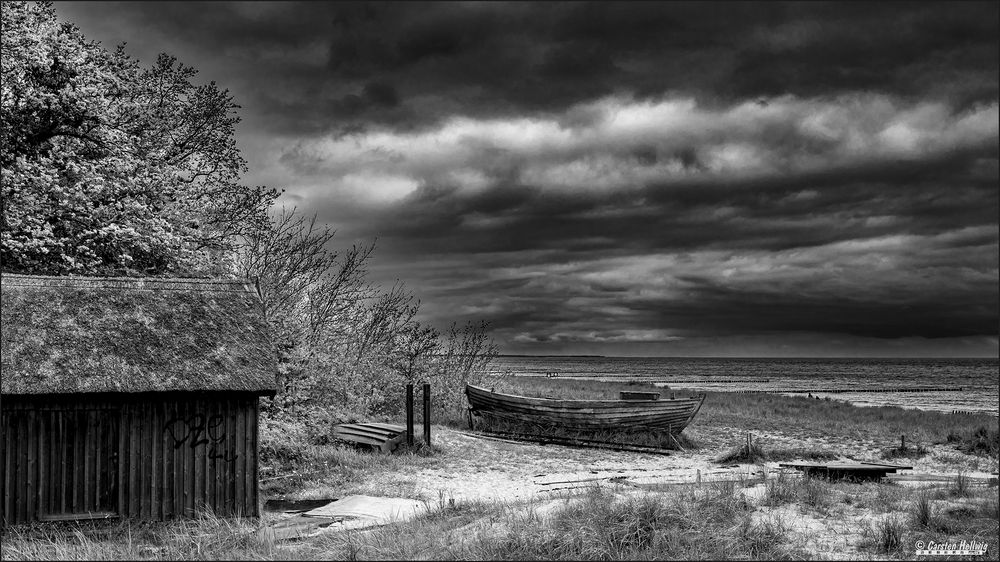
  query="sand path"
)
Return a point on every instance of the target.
[{"x": 472, "y": 467}]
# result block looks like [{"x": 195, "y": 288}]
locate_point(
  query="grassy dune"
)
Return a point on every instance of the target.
[
  {"x": 774, "y": 517},
  {"x": 717, "y": 521}
]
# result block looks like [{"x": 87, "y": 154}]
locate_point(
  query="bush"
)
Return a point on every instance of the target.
[{"x": 982, "y": 441}]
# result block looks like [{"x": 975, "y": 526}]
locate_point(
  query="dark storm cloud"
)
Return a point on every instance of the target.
[
  {"x": 630, "y": 174},
  {"x": 859, "y": 195},
  {"x": 515, "y": 58}
]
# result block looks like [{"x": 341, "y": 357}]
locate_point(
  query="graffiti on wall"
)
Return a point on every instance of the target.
[{"x": 197, "y": 430}]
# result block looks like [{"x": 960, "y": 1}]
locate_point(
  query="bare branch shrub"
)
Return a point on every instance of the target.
[{"x": 346, "y": 347}]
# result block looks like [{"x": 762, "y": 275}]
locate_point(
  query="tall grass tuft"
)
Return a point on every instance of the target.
[
  {"x": 756, "y": 539},
  {"x": 750, "y": 451},
  {"x": 779, "y": 490},
  {"x": 921, "y": 510},
  {"x": 884, "y": 536},
  {"x": 726, "y": 495},
  {"x": 816, "y": 493},
  {"x": 960, "y": 486}
]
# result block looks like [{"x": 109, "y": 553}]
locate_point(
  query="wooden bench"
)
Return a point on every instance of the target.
[{"x": 383, "y": 436}]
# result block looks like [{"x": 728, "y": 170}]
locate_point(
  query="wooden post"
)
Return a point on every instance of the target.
[
  {"x": 676, "y": 442},
  {"x": 409, "y": 415},
  {"x": 427, "y": 414},
  {"x": 902, "y": 442}
]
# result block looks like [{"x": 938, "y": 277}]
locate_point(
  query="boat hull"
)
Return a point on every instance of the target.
[{"x": 671, "y": 415}]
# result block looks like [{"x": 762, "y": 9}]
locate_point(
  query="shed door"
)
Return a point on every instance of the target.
[{"x": 78, "y": 464}]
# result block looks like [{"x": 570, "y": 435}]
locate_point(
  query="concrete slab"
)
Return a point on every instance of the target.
[{"x": 356, "y": 512}]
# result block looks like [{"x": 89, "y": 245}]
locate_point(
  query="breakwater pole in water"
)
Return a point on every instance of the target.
[{"x": 843, "y": 390}]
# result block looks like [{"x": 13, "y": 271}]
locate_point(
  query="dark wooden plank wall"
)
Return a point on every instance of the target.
[
  {"x": 83, "y": 438},
  {"x": 162, "y": 458}
]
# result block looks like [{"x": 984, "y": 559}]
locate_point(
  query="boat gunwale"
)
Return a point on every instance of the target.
[{"x": 579, "y": 404}]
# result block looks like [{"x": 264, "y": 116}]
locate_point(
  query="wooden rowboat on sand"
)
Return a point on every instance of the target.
[{"x": 671, "y": 415}]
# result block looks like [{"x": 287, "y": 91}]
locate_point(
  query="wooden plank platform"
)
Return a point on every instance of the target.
[
  {"x": 837, "y": 470},
  {"x": 383, "y": 436}
]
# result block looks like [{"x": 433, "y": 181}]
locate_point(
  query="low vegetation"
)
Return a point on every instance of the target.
[
  {"x": 205, "y": 538},
  {"x": 604, "y": 526},
  {"x": 904, "y": 451},
  {"x": 712, "y": 521},
  {"x": 757, "y": 451},
  {"x": 982, "y": 440},
  {"x": 291, "y": 467},
  {"x": 753, "y": 518},
  {"x": 883, "y": 535}
]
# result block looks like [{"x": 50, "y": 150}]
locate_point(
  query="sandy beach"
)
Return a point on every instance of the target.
[
  {"x": 477, "y": 467},
  {"x": 469, "y": 466}
]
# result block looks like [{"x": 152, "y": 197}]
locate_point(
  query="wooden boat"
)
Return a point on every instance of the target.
[{"x": 671, "y": 415}]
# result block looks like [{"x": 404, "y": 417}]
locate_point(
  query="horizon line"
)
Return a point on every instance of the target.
[{"x": 592, "y": 356}]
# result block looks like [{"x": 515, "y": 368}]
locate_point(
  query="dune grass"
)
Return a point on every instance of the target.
[
  {"x": 833, "y": 419},
  {"x": 603, "y": 526},
  {"x": 712, "y": 521},
  {"x": 203, "y": 538}
]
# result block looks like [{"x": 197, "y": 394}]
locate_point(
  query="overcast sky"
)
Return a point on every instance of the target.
[{"x": 631, "y": 179}]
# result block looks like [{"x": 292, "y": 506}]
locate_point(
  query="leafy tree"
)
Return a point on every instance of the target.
[
  {"x": 108, "y": 167},
  {"x": 112, "y": 168}
]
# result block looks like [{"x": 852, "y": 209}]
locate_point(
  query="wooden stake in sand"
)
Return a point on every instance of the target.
[
  {"x": 427, "y": 413},
  {"x": 409, "y": 415}
]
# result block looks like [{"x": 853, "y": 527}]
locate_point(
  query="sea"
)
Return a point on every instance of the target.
[{"x": 947, "y": 385}]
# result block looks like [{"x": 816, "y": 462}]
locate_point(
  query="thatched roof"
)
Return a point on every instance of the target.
[{"x": 88, "y": 334}]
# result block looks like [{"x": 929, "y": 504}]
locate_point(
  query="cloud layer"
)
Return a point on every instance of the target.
[{"x": 643, "y": 178}]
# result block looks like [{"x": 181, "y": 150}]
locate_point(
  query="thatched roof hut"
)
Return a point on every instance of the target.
[
  {"x": 79, "y": 334},
  {"x": 145, "y": 389}
]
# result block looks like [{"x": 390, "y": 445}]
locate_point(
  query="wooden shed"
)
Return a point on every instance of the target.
[{"x": 130, "y": 397}]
